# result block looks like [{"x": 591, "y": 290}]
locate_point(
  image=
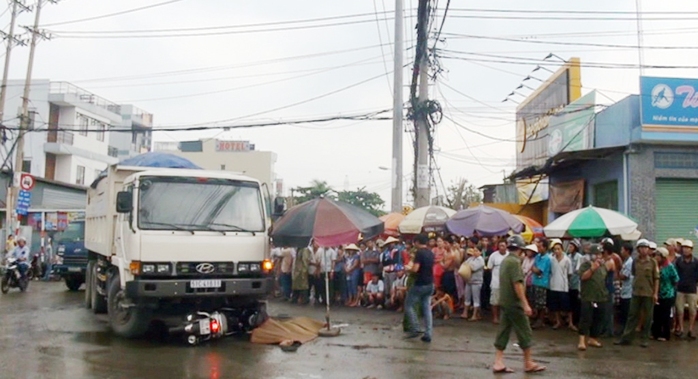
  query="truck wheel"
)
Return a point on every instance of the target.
[
  {"x": 73, "y": 284},
  {"x": 88, "y": 285},
  {"x": 131, "y": 322},
  {"x": 99, "y": 303}
]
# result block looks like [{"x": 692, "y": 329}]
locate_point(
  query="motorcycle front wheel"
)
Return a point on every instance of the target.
[
  {"x": 23, "y": 284},
  {"x": 5, "y": 287}
]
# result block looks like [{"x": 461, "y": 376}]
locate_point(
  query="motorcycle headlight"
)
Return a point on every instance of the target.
[{"x": 147, "y": 268}]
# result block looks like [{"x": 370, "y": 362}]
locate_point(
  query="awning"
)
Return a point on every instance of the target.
[{"x": 566, "y": 159}]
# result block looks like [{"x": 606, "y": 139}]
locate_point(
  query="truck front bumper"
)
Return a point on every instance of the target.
[
  {"x": 66, "y": 270},
  {"x": 178, "y": 288}
]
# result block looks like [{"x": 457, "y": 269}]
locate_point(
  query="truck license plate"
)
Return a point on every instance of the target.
[
  {"x": 74, "y": 269},
  {"x": 204, "y": 327},
  {"x": 210, "y": 283}
]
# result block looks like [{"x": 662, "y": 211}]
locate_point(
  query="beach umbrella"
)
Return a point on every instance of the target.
[
  {"x": 328, "y": 222},
  {"x": 532, "y": 228},
  {"x": 391, "y": 222},
  {"x": 426, "y": 219},
  {"x": 591, "y": 222},
  {"x": 484, "y": 220}
]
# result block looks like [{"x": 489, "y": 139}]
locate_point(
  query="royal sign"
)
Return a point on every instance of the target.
[{"x": 669, "y": 103}]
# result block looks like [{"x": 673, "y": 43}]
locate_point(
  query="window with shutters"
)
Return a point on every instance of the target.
[{"x": 606, "y": 195}]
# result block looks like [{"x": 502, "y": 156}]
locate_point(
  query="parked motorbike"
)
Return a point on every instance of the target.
[{"x": 12, "y": 278}]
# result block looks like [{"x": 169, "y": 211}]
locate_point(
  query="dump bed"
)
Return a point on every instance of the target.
[{"x": 100, "y": 215}]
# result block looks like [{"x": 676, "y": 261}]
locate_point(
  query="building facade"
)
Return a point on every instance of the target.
[
  {"x": 643, "y": 161},
  {"x": 74, "y": 134},
  {"x": 227, "y": 155}
]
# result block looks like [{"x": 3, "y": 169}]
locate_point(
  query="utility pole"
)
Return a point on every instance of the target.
[
  {"x": 17, "y": 7},
  {"x": 421, "y": 111},
  {"x": 24, "y": 118},
  {"x": 396, "y": 198}
]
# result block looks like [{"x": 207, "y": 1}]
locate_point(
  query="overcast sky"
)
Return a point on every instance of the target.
[{"x": 232, "y": 73}]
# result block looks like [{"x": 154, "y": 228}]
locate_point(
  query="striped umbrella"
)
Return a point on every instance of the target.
[
  {"x": 426, "y": 219},
  {"x": 328, "y": 222},
  {"x": 591, "y": 222}
]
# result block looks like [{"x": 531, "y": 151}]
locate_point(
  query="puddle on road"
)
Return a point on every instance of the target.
[{"x": 103, "y": 338}]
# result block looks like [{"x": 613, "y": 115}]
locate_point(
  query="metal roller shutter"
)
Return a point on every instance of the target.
[
  {"x": 676, "y": 209},
  {"x": 56, "y": 199}
]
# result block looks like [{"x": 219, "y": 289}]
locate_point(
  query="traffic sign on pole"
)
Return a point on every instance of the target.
[{"x": 26, "y": 182}]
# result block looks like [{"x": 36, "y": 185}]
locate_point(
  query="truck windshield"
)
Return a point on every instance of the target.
[
  {"x": 199, "y": 204},
  {"x": 75, "y": 232}
]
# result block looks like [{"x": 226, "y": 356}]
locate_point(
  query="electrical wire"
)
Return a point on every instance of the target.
[
  {"x": 226, "y": 67},
  {"x": 110, "y": 14},
  {"x": 380, "y": 41},
  {"x": 123, "y": 35},
  {"x": 374, "y": 116},
  {"x": 255, "y": 85},
  {"x": 536, "y": 41},
  {"x": 549, "y": 11}
]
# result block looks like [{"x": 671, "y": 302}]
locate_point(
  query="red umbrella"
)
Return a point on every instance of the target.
[{"x": 328, "y": 222}]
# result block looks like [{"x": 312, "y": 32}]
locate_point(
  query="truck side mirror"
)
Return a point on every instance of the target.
[
  {"x": 279, "y": 206},
  {"x": 124, "y": 202}
]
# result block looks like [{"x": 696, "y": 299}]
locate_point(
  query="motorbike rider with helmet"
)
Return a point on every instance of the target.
[{"x": 21, "y": 253}]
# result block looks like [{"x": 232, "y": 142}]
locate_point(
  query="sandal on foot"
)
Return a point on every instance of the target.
[
  {"x": 505, "y": 370},
  {"x": 536, "y": 368}
]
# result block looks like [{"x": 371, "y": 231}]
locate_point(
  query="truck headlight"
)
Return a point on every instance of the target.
[
  {"x": 155, "y": 268},
  {"x": 255, "y": 267},
  {"x": 243, "y": 267},
  {"x": 60, "y": 250}
]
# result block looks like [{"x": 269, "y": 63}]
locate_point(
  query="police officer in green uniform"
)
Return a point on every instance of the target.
[
  {"x": 514, "y": 309},
  {"x": 645, "y": 295}
]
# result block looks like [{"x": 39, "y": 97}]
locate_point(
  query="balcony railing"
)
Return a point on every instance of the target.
[
  {"x": 84, "y": 96},
  {"x": 113, "y": 152},
  {"x": 63, "y": 137}
]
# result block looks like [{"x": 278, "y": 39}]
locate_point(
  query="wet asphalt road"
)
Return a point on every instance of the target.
[{"x": 45, "y": 333}]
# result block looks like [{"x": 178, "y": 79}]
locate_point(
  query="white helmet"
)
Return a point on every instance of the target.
[{"x": 643, "y": 243}]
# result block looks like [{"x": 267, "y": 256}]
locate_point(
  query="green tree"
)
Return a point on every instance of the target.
[
  {"x": 317, "y": 188},
  {"x": 461, "y": 194},
  {"x": 369, "y": 201}
]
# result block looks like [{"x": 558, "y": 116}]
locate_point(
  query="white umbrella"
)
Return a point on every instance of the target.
[
  {"x": 428, "y": 219},
  {"x": 591, "y": 222}
]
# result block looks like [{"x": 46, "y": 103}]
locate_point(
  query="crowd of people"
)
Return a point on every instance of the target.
[{"x": 596, "y": 289}]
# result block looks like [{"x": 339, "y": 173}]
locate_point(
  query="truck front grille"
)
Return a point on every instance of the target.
[
  {"x": 219, "y": 269},
  {"x": 74, "y": 261}
]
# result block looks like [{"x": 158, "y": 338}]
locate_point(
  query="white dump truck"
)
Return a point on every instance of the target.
[{"x": 165, "y": 243}]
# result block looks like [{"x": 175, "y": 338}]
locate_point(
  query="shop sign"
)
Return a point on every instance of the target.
[
  {"x": 228, "y": 146},
  {"x": 573, "y": 128},
  {"x": 670, "y": 103}
]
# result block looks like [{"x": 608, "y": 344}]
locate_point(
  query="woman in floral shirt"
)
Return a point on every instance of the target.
[{"x": 668, "y": 278}]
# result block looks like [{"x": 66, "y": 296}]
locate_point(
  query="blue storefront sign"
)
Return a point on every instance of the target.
[
  {"x": 23, "y": 202},
  {"x": 670, "y": 103}
]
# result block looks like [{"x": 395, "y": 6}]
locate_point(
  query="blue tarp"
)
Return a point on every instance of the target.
[{"x": 152, "y": 159}]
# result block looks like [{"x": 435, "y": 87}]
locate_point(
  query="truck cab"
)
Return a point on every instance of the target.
[
  {"x": 71, "y": 255},
  {"x": 167, "y": 242}
]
